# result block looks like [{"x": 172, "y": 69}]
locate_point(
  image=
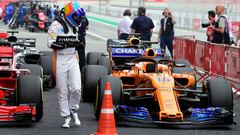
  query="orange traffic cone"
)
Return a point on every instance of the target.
[{"x": 106, "y": 123}]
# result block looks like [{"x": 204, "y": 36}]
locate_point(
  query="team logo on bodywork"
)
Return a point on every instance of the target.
[{"x": 131, "y": 52}]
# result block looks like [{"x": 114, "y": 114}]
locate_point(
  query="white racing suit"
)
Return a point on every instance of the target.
[{"x": 67, "y": 70}]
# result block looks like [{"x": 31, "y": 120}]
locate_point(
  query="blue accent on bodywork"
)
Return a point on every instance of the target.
[
  {"x": 140, "y": 113},
  {"x": 203, "y": 114}
]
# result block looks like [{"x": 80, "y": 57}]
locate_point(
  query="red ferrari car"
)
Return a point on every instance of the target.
[{"x": 20, "y": 91}]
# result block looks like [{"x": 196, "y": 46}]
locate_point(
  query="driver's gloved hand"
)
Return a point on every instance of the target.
[
  {"x": 72, "y": 44},
  {"x": 77, "y": 44}
]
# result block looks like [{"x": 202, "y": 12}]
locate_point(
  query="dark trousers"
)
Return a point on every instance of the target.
[
  {"x": 81, "y": 55},
  {"x": 21, "y": 20},
  {"x": 123, "y": 36},
  {"x": 167, "y": 41},
  {"x": 7, "y": 18},
  {"x": 145, "y": 36}
]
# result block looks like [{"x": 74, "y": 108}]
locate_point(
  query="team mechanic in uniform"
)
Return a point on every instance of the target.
[{"x": 62, "y": 37}]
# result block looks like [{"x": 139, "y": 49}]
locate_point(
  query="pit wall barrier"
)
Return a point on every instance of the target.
[{"x": 209, "y": 59}]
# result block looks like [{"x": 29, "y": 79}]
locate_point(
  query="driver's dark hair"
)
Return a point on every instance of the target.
[
  {"x": 141, "y": 11},
  {"x": 127, "y": 12}
]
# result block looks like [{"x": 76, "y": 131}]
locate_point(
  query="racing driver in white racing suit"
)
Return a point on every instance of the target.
[{"x": 62, "y": 38}]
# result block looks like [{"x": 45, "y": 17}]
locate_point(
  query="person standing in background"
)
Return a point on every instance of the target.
[
  {"x": 143, "y": 25},
  {"x": 221, "y": 30},
  {"x": 36, "y": 10},
  {"x": 57, "y": 12},
  {"x": 22, "y": 14},
  {"x": 14, "y": 22},
  {"x": 229, "y": 25},
  {"x": 124, "y": 26},
  {"x": 166, "y": 32},
  {"x": 210, "y": 25},
  {"x": 81, "y": 37},
  {"x": 47, "y": 11},
  {"x": 9, "y": 13},
  {"x": 52, "y": 11}
]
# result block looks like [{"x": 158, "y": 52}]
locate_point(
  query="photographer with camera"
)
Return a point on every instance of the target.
[
  {"x": 221, "y": 29},
  {"x": 166, "y": 32},
  {"x": 210, "y": 25}
]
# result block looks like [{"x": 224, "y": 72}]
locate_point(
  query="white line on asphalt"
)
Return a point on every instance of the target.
[
  {"x": 102, "y": 23},
  {"x": 89, "y": 33},
  {"x": 96, "y": 35}
]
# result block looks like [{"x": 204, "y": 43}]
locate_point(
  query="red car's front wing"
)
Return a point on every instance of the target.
[{"x": 17, "y": 113}]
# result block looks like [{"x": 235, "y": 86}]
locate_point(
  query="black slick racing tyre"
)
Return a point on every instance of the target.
[
  {"x": 47, "y": 64},
  {"x": 93, "y": 57},
  {"x": 34, "y": 69},
  {"x": 29, "y": 91},
  {"x": 220, "y": 93},
  {"x": 46, "y": 53},
  {"x": 105, "y": 62},
  {"x": 90, "y": 75},
  {"x": 116, "y": 88}
]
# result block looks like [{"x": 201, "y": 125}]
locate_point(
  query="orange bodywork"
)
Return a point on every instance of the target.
[{"x": 163, "y": 83}]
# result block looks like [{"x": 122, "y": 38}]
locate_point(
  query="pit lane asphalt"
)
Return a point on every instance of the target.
[{"x": 51, "y": 122}]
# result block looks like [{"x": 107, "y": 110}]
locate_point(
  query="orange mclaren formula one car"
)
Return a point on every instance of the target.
[
  {"x": 148, "y": 87},
  {"x": 20, "y": 92}
]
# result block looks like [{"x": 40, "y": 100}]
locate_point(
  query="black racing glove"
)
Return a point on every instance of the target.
[
  {"x": 75, "y": 44},
  {"x": 67, "y": 42}
]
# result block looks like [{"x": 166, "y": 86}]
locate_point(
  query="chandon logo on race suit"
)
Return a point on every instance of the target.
[
  {"x": 66, "y": 39},
  {"x": 130, "y": 52}
]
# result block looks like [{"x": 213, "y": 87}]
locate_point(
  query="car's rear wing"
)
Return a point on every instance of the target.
[
  {"x": 111, "y": 43},
  {"x": 122, "y": 48},
  {"x": 27, "y": 42},
  {"x": 132, "y": 43},
  {"x": 133, "y": 52}
]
